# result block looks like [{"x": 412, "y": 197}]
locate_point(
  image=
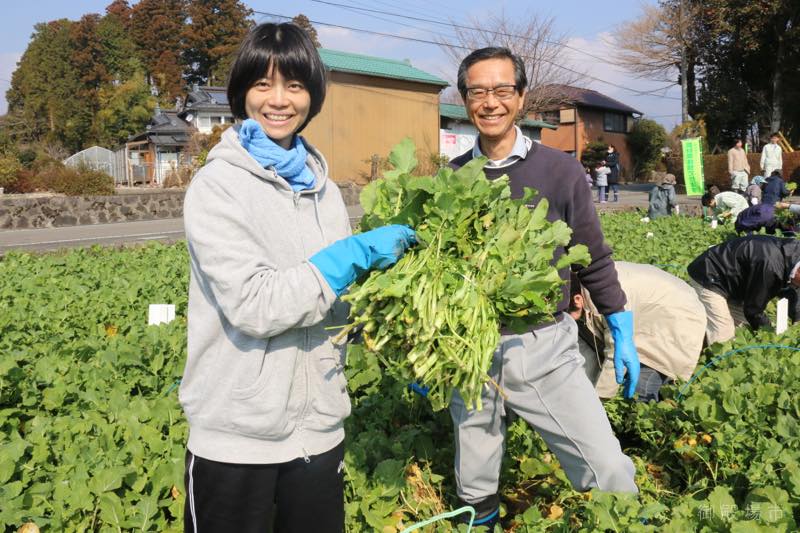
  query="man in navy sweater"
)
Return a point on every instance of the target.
[{"x": 541, "y": 371}]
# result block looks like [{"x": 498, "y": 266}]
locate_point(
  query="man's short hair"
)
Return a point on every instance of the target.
[
  {"x": 707, "y": 199},
  {"x": 492, "y": 52},
  {"x": 737, "y": 140},
  {"x": 774, "y": 134},
  {"x": 289, "y": 49},
  {"x": 777, "y": 173}
]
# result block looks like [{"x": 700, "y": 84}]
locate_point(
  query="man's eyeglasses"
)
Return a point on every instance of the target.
[{"x": 501, "y": 92}]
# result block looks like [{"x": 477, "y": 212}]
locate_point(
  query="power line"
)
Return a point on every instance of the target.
[
  {"x": 463, "y": 27},
  {"x": 427, "y": 41}
]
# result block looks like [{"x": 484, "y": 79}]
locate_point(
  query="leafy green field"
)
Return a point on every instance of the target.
[{"x": 93, "y": 436}]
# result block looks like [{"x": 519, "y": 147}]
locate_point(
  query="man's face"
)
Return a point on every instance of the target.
[
  {"x": 738, "y": 144},
  {"x": 494, "y": 117},
  {"x": 773, "y": 139}
]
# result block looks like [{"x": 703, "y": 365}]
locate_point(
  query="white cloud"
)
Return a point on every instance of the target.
[{"x": 8, "y": 64}]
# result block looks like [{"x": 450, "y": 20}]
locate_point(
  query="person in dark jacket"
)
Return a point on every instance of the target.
[
  {"x": 662, "y": 198},
  {"x": 775, "y": 189},
  {"x": 737, "y": 279},
  {"x": 612, "y": 162}
]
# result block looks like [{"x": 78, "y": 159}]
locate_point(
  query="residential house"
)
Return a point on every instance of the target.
[
  {"x": 372, "y": 104},
  {"x": 588, "y": 116},
  {"x": 457, "y": 134},
  {"x": 159, "y": 150},
  {"x": 206, "y": 107}
]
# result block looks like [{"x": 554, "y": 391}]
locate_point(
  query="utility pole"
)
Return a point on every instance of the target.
[{"x": 684, "y": 64}]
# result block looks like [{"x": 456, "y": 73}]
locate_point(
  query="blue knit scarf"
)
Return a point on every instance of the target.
[{"x": 289, "y": 164}]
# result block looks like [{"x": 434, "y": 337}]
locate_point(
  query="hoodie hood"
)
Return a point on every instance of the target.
[{"x": 230, "y": 150}]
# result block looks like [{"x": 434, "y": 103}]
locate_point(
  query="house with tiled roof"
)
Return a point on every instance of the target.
[
  {"x": 586, "y": 116},
  {"x": 206, "y": 107}
]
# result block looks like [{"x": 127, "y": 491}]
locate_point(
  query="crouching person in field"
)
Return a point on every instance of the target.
[
  {"x": 668, "y": 330},
  {"x": 736, "y": 280}
]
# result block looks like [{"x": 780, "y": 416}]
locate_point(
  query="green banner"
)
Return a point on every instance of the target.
[{"x": 693, "y": 166}]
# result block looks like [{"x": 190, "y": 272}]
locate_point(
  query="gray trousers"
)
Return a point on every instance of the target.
[{"x": 543, "y": 377}]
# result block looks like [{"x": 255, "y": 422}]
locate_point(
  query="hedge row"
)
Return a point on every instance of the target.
[{"x": 715, "y": 168}]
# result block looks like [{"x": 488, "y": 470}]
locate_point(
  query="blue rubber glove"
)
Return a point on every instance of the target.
[
  {"x": 343, "y": 261},
  {"x": 422, "y": 390},
  {"x": 625, "y": 356}
]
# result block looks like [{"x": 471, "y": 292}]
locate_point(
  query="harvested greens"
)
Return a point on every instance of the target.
[{"x": 482, "y": 260}]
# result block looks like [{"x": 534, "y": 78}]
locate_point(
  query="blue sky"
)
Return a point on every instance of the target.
[{"x": 588, "y": 27}]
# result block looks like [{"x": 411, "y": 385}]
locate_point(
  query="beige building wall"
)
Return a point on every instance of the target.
[{"x": 365, "y": 115}]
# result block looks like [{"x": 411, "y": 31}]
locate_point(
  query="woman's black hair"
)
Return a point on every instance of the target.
[
  {"x": 285, "y": 47},
  {"x": 492, "y": 52},
  {"x": 707, "y": 199}
]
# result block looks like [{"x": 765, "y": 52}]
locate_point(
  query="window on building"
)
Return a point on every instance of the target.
[
  {"x": 203, "y": 122},
  {"x": 614, "y": 122},
  {"x": 552, "y": 117},
  {"x": 216, "y": 120}
]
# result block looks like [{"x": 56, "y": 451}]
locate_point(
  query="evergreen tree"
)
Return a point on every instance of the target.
[
  {"x": 44, "y": 97},
  {"x": 215, "y": 29},
  {"x": 156, "y": 27}
]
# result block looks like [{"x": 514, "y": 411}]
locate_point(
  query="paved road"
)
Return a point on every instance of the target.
[{"x": 165, "y": 230}]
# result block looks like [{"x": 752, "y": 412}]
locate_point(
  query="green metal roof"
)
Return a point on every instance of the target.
[
  {"x": 376, "y": 66},
  {"x": 458, "y": 112}
]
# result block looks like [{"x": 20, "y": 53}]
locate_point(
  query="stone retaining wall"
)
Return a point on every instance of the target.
[
  {"x": 23, "y": 212},
  {"x": 55, "y": 211}
]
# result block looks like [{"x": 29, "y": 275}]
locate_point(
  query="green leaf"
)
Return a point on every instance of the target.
[{"x": 403, "y": 157}]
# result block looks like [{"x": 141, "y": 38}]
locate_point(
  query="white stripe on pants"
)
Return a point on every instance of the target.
[{"x": 542, "y": 375}]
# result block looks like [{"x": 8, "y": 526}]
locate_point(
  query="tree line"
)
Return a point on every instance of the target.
[
  {"x": 97, "y": 80},
  {"x": 737, "y": 63}
]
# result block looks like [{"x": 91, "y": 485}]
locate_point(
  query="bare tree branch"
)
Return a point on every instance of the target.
[{"x": 531, "y": 37}]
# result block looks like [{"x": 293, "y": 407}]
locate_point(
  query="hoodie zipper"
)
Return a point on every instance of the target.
[
  {"x": 303, "y": 413},
  {"x": 304, "y": 351}
]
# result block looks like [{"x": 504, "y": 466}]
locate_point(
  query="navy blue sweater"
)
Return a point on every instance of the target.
[{"x": 561, "y": 179}]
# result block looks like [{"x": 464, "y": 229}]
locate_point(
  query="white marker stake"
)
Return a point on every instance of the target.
[
  {"x": 782, "y": 323},
  {"x": 160, "y": 314}
]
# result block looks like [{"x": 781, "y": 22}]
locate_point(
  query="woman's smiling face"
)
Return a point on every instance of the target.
[{"x": 279, "y": 105}]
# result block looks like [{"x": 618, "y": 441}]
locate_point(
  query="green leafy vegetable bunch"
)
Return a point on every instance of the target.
[{"x": 483, "y": 260}]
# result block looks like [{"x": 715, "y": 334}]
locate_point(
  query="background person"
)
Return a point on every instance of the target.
[
  {"x": 601, "y": 173},
  {"x": 726, "y": 204},
  {"x": 774, "y": 189},
  {"x": 736, "y": 280},
  {"x": 668, "y": 330},
  {"x": 754, "y": 193},
  {"x": 662, "y": 198},
  {"x": 772, "y": 156},
  {"x": 263, "y": 387},
  {"x": 738, "y": 167},
  {"x": 541, "y": 370},
  {"x": 612, "y": 161}
]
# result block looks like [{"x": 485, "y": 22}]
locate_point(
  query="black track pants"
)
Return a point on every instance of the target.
[{"x": 293, "y": 497}]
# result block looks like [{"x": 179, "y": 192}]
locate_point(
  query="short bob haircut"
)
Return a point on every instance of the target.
[
  {"x": 707, "y": 199},
  {"x": 492, "y": 52},
  {"x": 289, "y": 49}
]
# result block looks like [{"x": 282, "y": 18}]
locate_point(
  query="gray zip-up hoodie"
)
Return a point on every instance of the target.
[{"x": 263, "y": 382}]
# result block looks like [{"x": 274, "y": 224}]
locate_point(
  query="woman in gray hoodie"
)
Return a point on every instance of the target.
[{"x": 270, "y": 251}]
